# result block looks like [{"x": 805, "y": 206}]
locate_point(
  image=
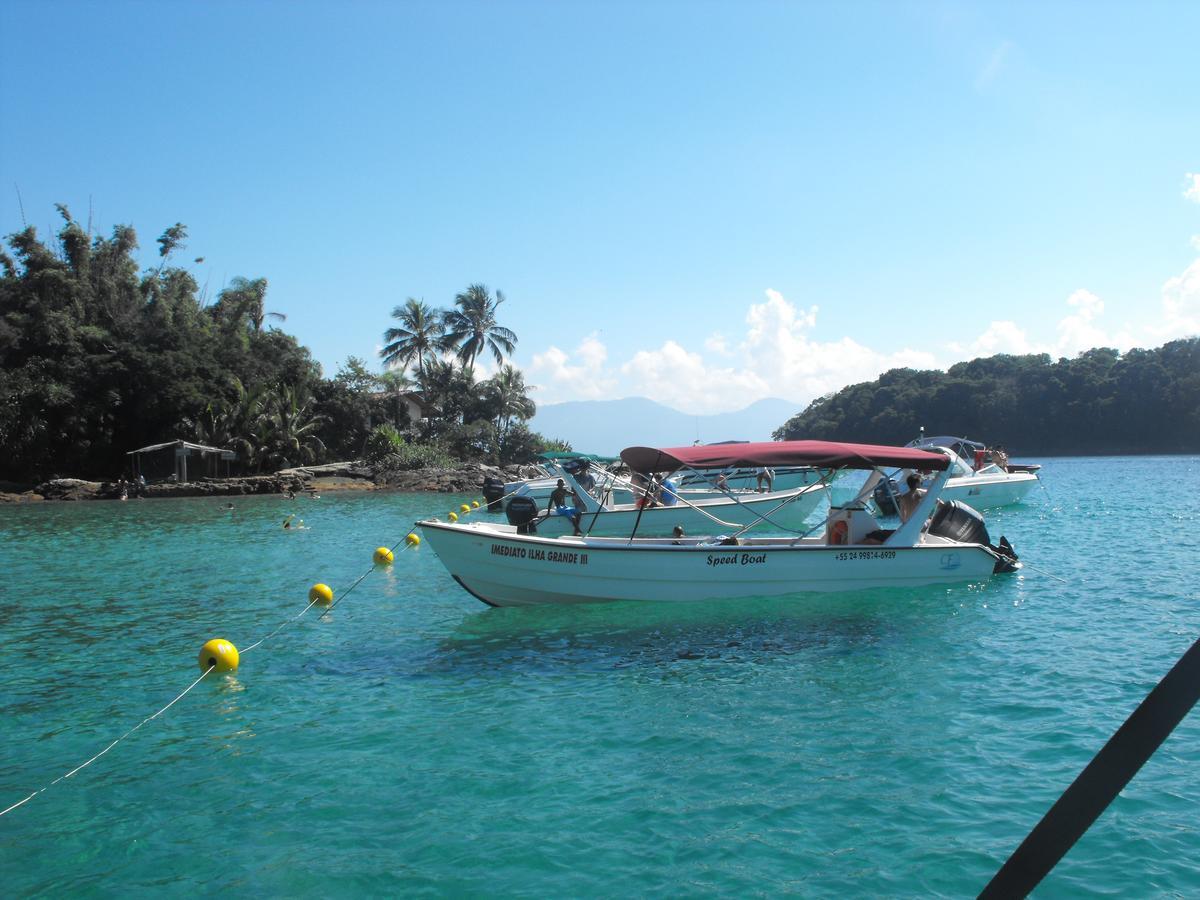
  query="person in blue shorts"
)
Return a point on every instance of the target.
[{"x": 558, "y": 505}]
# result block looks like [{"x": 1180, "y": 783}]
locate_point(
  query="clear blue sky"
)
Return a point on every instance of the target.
[{"x": 939, "y": 180}]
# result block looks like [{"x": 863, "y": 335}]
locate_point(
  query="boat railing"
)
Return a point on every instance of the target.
[
  {"x": 738, "y": 528},
  {"x": 617, "y": 479}
]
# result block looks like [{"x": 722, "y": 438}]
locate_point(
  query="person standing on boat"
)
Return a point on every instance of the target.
[
  {"x": 767, "y": 475},
  {"x": 909, "y": 502},
  {"x": 585, "y": 479},
  {"x": 643, "y": 491},
  {"x": 667, "y": 495},
  {"x": 558, "y": 505}
]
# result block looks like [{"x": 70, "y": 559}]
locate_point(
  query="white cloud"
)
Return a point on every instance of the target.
[
  {"x": 679, "y": 378},
  {"x": 777, "y": 357},
  {"x": 778, "y": 346},
  {"x": 1078, "y": 331},
  {"x": 1181, "y": 303},
  {"x": 1191, "y": 188},
  {"x": 1195, "y": 241},
  {"x": 592, "y": 353},
  {"x": 1000, "y": 337},
  {"x": 557, "y": 379},
  {"x": 716, "y": 343}
]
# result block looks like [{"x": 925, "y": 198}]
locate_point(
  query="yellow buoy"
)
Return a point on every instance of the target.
[
  {"x": 382, "y": 556},
  {"x": 218, "y": 654},
  {"x": 453, "y": 517},
  {"x": 320, "y": 593},
  {"x": 474, "y": 504},
  {"x": 413, "y": 540},
  {"x": 464, "y": 508}
]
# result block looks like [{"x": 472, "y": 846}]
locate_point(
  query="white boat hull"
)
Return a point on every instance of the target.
[
  {"x": 986, "y": 491},
  {"x": 514, "y": 570}
]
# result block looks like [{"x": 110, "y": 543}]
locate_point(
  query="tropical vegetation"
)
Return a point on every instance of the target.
[
  {"x": 99, "y": 357},
  {"x": 1100, "y": 402}
]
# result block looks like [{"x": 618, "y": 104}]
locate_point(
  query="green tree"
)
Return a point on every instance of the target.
[
  {"x": 1099, "y": 402},
  {"x": 507, "y": 398},
  {"x": 287, "y": 432},
  {"x": 419, "y": 335},
  {"x": 243, "y": 305},
  {"x": 97, "y": 359},
  {"x": 450, "y": 392},
  {"x": 472, "y": 328}
]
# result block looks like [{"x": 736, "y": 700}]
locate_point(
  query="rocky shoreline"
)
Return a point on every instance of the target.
[{"x": 344, "y": 476}]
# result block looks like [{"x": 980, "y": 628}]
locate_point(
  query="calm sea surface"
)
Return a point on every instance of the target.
[{"x": 890, "y": 743}]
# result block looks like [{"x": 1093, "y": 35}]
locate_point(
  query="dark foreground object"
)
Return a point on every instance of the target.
[{"x": 1105, "y": 776}]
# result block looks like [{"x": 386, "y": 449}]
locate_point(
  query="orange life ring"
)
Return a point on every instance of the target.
[{"x": 839, "y": 533}]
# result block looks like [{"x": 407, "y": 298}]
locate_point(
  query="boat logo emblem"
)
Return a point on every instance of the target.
[{"x": 950, "y": 561}]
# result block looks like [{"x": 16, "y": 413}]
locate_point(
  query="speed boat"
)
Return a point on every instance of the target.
[
  {"x": 509, "y": 565},
  {"x": 550, "y": 467},
  {"x": 977, "y": 478}
]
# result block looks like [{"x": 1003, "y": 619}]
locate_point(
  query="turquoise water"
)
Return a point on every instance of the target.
[{"x": 896, "y": 743}]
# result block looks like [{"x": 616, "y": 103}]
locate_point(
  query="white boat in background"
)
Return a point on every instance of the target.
[
  {"x": 976, "y": 478},
  {"x": 550, "y": 467},
  {"x": 938, "y": 544},
  {"x": 763, "y": 478},
  {"x": 688, "y": 512},
  {"x": 611, "y": 489}
]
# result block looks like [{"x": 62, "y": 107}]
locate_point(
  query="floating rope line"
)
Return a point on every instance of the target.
[
  {"x": 78, "y": 768},
  {"x": 408, "y": 540},
  {"x": 359, "y": 580},
  {"x": 1026, "y": 565}
]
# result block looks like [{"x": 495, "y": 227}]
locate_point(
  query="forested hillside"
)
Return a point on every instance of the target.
[
  {"x": 98, "y": 358},
  {"x": 1101, "y": 402}
]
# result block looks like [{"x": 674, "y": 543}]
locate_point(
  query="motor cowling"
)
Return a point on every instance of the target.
[
  {"x": 493, "y": 492},
  {"x": 521, "y": 512},
  {"x": 959, "y": 522}
]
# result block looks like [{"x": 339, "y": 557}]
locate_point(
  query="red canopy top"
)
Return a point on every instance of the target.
[{"x": 823, "y": 454}]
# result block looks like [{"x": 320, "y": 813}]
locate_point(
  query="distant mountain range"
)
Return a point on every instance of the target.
[{"x": 608, "y": 426}]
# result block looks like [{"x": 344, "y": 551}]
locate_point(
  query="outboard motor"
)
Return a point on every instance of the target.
[
  {"x": 493, "y": 492},
  {"x": 522, "y": 511},
  {"x": 883, "y": 498},
  {"x": 959, "y": 522}
]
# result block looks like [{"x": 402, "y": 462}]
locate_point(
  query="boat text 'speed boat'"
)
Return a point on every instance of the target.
[{"x": 937, "y": 543}]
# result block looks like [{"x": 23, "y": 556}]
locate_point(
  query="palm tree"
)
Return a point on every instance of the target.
[
  {"x": 244, "y": 302},
  {"x": 420, "y": 335},
  {"x": 232, "y": 422},
  {"x": 472, "y": 327},
  {"x": 508, "y": 397},
  {"x": 287, "y": 428}
]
